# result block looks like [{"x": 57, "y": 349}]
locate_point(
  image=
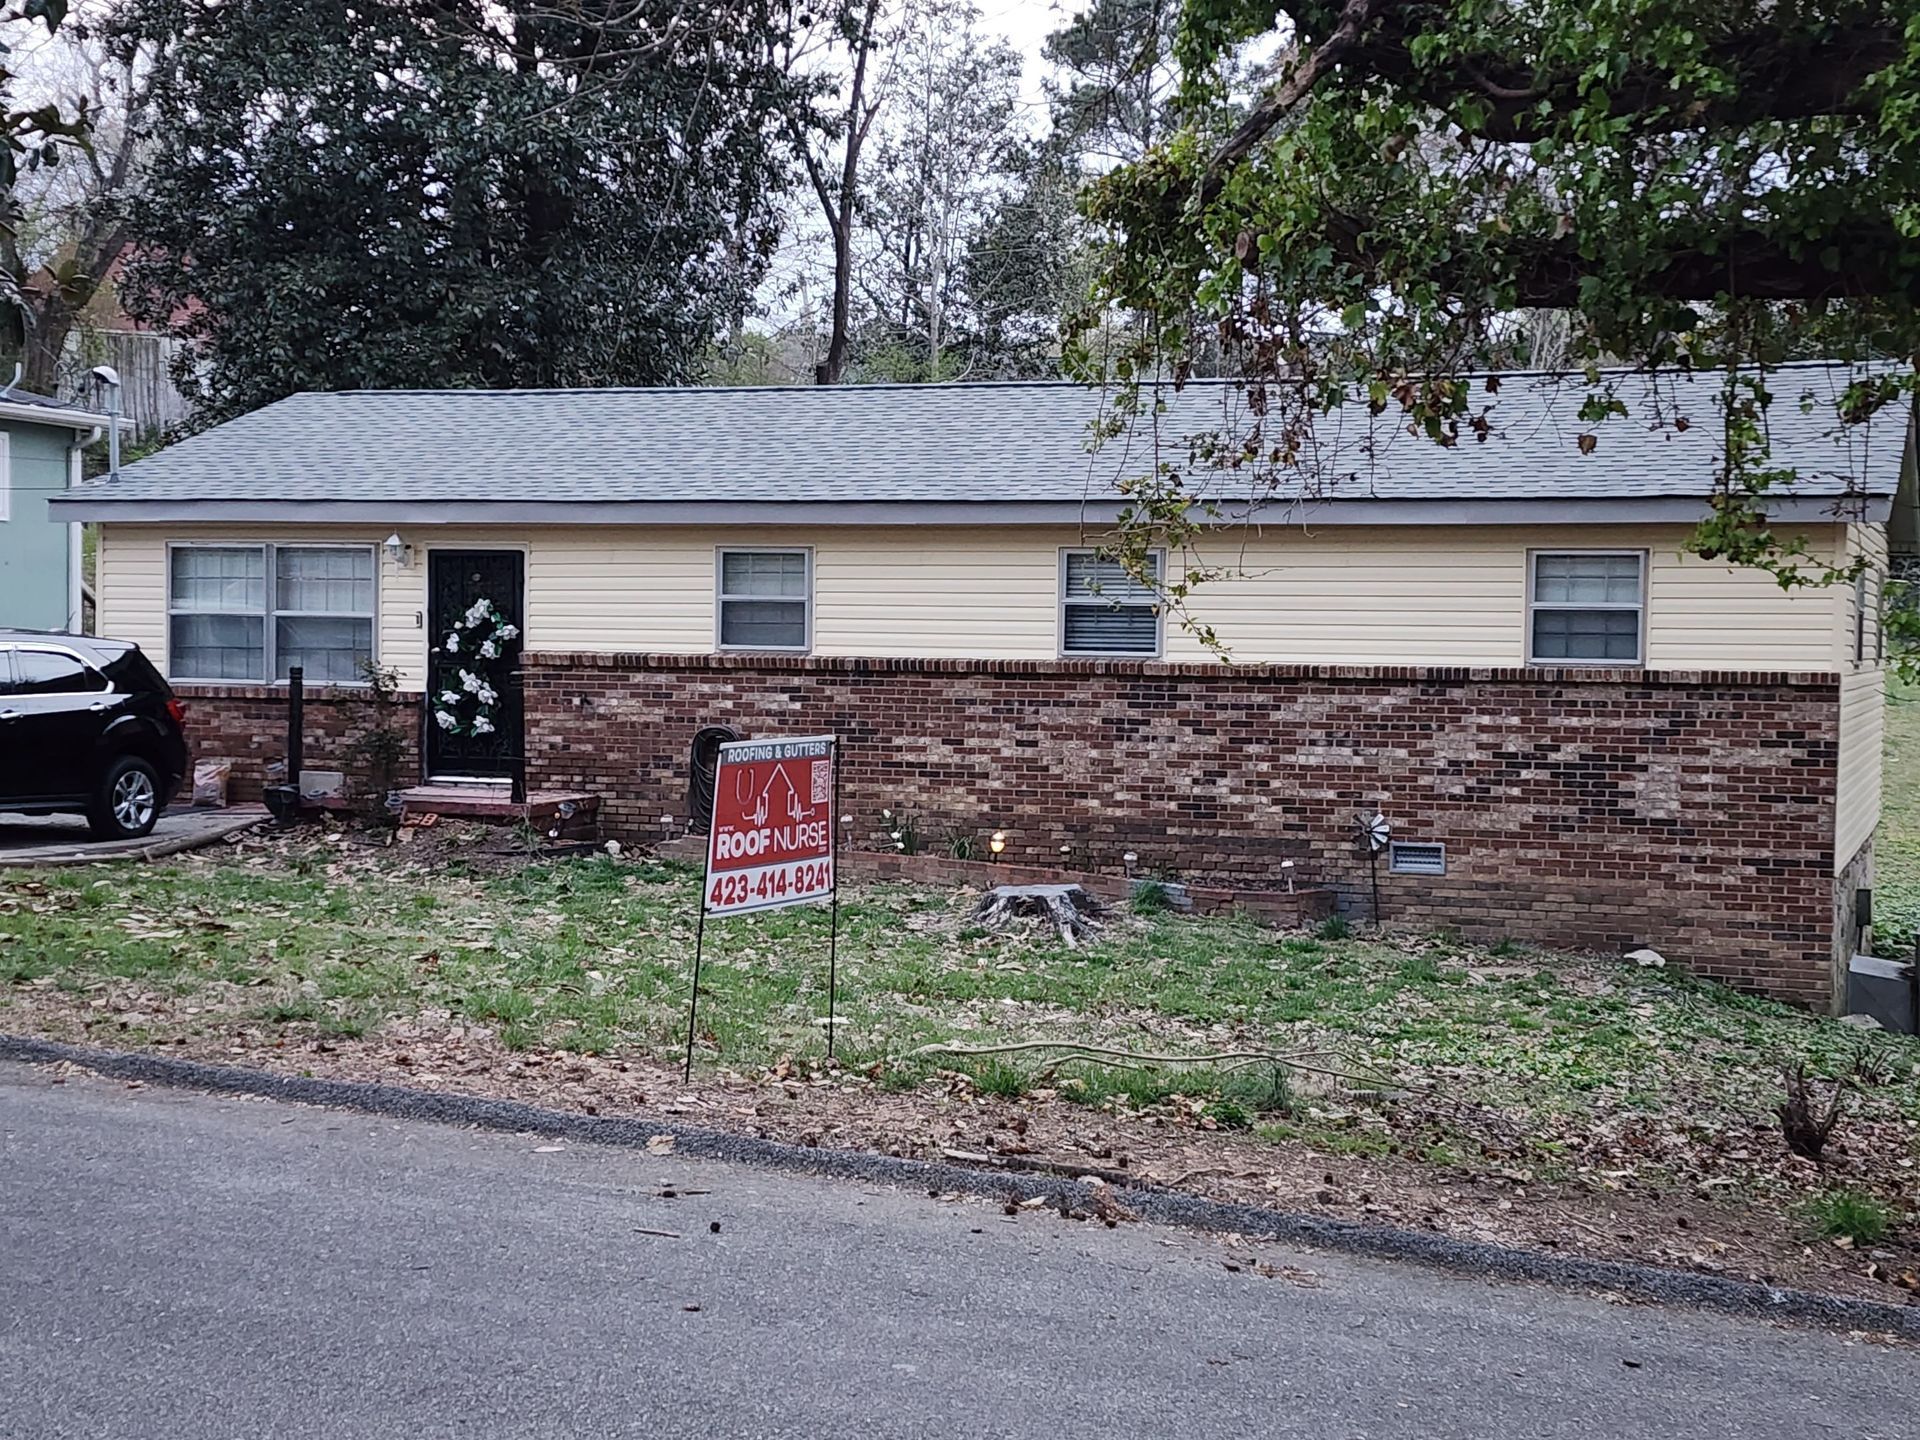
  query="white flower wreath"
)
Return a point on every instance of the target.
[{"x": 483, "y": 632}]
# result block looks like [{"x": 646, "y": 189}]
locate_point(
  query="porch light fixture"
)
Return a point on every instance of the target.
[{"x": 398, "y": 550}]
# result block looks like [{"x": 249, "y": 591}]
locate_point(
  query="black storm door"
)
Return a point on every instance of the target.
[{"x": 476, "y": 606}]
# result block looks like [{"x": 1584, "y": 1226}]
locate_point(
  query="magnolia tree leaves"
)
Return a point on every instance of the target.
[{"x": 453, "y": 195}]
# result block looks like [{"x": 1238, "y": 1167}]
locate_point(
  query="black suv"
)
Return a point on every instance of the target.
[{"x": 88, "y": 727}]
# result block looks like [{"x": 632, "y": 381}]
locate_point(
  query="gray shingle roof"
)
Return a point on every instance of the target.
[{"x": 1005, "y": 443}]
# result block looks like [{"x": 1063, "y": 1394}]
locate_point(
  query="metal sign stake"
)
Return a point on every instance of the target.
[
  {"x": 833, "y": 924},
  {"x": 693, "y": 1000}
]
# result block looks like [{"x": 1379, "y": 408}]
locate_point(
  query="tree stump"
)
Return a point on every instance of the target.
[{"x": 1068, "y": 908}]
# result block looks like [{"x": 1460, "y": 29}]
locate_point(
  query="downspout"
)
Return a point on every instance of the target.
[
  {"x": 106, "y": 378},
  {"x": 76, "y": 603}
]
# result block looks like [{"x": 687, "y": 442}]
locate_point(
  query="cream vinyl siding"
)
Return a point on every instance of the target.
[
  {"x": 1863, "y": 708},
  {"x": 1334, "y": 595},
  {"x": 1863, "y": 702},
  {"x": 1457, "y": 596}
]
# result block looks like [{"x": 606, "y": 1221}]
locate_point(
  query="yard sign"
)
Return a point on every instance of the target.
[
  {"x": 771, "y": 841},
  {"x": 771, "y": 844}
]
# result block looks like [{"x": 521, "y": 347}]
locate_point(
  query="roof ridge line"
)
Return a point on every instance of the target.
[{"x": 1569, "y": 375}]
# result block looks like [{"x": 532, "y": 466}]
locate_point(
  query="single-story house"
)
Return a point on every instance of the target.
[
  {"x": 1580, "y": 733},
  {"x": 40, "y": 443}
]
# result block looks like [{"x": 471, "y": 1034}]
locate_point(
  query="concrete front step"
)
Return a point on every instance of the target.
[{"x": 561, "y": 814}]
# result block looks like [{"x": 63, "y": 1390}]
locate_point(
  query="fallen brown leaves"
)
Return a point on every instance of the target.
[{"x": 1685, "y": 1227}]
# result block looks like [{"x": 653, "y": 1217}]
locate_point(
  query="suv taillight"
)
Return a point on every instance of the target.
[{"x": 177, "y": 711}]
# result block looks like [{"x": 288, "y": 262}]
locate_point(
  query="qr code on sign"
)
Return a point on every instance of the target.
[{"x": 822, "y": 781}]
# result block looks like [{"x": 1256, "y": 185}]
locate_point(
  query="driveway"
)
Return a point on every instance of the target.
[
  {"x": 193, "y": 1267},
  {"x": 63, "y": 839}
]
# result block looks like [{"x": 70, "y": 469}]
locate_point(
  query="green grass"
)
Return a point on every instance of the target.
[
  {"x": 1547, "y": 1061},
  {"x": 1851, "y": 1214},
  {"x": 1896, "y": 888},
  {"x": 998, "y": 1077},
  {"x": 1150, "y": 897}
]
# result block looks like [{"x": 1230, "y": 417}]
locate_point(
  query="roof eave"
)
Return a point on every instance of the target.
[{"x": 59, "y": 418}]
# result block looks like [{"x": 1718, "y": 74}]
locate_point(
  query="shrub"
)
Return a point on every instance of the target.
[
  {"x": 1852, "y": 1214},
  {"x": 997, "y": 1077},
  {"x": 1334, "y": 927},
  {"x": 902, "y": 830},
  {"x": 1419, "y": 969},
  {"x": 377, "y": 742},
  {"x": 1228, "y": 1114},
  {"x": 1150, "y": 897}
]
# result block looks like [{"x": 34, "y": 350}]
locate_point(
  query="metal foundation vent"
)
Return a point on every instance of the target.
[{"x": 1406, "y": 857}]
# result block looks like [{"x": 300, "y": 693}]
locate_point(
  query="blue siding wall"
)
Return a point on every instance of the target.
[{"x": 33, "y": 550}]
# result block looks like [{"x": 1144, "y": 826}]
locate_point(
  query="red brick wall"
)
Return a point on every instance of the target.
[
  {"x": 1689, "y": 812},
  {"x": 247, "y": 724}
]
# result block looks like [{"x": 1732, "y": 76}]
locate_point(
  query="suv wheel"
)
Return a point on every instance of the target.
[{"x": 127, "y": 802}]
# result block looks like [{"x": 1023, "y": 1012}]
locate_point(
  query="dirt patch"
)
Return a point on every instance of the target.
[{"x": 1174, "y": 1147}]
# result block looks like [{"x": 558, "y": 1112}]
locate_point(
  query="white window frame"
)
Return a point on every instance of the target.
[
  {"x": 6, "y": 476},
  {"x": 269, "y": 637},
  {"x": 720, "y": 598},
  {"x": 1639, "y": 662},
  {"x": 1060, "y": 611}
]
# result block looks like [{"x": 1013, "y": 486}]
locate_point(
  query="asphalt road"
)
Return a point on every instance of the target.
[{"x": 178, "y": 1266}]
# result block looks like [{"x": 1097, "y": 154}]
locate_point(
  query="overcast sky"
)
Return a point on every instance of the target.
[{"x": 1026, "y": 26}]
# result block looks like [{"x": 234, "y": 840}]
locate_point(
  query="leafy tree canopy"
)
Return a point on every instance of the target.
[
  {"x": 1419, "y": 189},
  {"x": 356, "y": 194},
  {"x": 1114, "y": 79},
  {"x": 33, "y": 134}
]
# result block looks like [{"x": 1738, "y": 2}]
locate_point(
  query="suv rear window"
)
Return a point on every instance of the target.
[
  {"x": 49, "y": 672},
  {"x": 133, "y": 674}
]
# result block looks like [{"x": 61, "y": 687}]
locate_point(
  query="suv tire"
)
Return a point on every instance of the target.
[{"x": 126, "y": 802}]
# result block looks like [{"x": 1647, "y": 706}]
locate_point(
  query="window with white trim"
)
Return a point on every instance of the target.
[
  {"x": 1586, "y": 607},
  {"x": 247, "y": 612},
  {"x": 1106, "y": 611},
  {"x": 764, "y": 599}
]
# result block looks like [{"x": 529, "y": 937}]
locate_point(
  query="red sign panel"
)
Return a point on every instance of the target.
[{"x": 771, "y": 843}]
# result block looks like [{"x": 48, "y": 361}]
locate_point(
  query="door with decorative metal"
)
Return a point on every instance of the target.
[{"x": 476, "y": 601}]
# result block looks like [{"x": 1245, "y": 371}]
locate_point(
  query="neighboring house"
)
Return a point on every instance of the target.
[
  {"x": 1581, "y": 734},
  {"x": 40, "y": 444}
]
